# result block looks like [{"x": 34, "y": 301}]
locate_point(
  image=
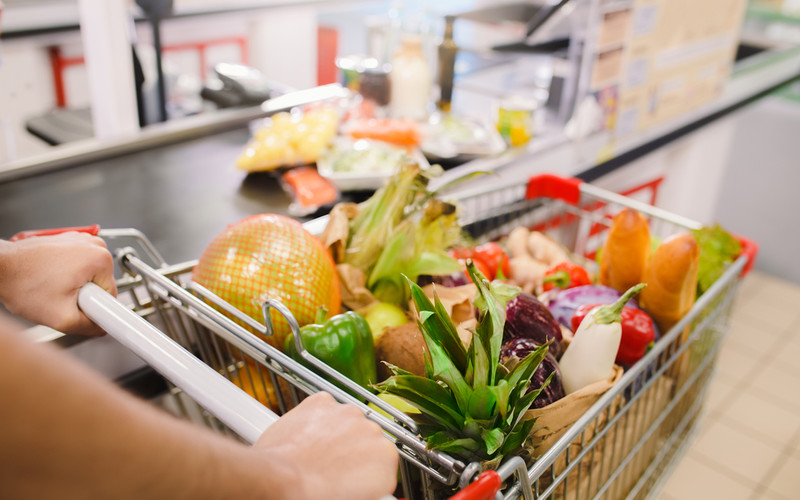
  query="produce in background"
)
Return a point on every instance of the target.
[
  {"x": 671, "y": 277},
  {"x": 565, "y": 302},
  {"x": 401, "y": 132},
  {"x": 519, "y": 348},
  {"x": 363, "y": 157},
  {"x": 591, "y": 354},
  {"x": 343, "y": 342},
  {"x": 289, "y": 139},
  {"x": 308, "y": 190},
  {"x": 638, "y": 333},
  {"x": 270, "y": 256},
  {"x": 718, "y": 249},
  {"x": 625, "y": 250},
  {"x": 471, "y": 406}
]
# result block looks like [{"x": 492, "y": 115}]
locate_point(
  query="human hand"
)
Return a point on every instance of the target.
[
  {"x": 40, "y": 278},
  {"x": 330, "y": 450}
]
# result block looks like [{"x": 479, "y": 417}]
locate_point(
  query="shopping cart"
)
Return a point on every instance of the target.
[{"x": 620, "y": 448}]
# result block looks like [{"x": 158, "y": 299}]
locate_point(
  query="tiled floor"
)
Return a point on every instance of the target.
[{"x": 748, "y": 444}]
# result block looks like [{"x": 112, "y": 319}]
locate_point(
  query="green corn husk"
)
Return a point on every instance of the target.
[
  {"x": 472, "y": 405},
  {"x": 404, "y": 230}
]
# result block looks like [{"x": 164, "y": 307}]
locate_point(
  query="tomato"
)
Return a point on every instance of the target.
[
  {"x": 483, "y": 267},
  {"x": 461, "y": 253},
  {"x": 495, "y": 258}
]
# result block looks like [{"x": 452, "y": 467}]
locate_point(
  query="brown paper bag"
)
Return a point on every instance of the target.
[
  {"x": 353, "y": 281},
  {"x": 597, "y": 466},
  {"x": 458, "y": 301},
  {"x": 336, "y": 232},
  {"x": 553, "y": 420}
]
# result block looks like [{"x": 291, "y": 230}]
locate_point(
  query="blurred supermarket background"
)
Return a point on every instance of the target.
[{"x": 693, "y": 106}]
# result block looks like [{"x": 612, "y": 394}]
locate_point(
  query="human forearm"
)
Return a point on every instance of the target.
[{"x": 69, "y": 434}]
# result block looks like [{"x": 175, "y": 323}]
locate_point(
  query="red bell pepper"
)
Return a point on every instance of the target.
[
  {"x": 565, "y": 275},
  {"x": 638, "y": 333}
]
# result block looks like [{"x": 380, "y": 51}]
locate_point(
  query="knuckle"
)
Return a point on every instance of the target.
[
  {"x": 350, "y": 411},
  {"x": 321, "y": 397}
]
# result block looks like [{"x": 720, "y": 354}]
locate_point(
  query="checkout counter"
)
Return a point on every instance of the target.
[{"x": 176, "y": 181}]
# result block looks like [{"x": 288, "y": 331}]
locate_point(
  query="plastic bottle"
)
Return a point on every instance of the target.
[{"x": 411, "y": 80}]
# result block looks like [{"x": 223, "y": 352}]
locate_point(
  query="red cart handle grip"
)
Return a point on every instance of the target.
[
  {"x": 484, "y": 488},
  {"x": 749, "y": 249},
  {"x": 566, "y": 189},
  {"x": 94, "y": 229}
]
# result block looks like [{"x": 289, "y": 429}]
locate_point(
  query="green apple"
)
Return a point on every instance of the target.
[
  {"x": 396, "y": 401},
  {"x": 382, "y": 315}
]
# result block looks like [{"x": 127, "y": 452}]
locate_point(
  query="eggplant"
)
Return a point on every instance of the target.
[
  {"x": 520, "y": 348},
  {"x": 449, "y": 280},
  {"x": 528, "y": 318},
  {"x": 566, "y": 302}
]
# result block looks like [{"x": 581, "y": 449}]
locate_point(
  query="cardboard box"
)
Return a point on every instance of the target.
[{"x": 675, "y": 55}]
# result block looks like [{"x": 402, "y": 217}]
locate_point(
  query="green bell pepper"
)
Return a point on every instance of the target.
[{"x": 344, "y": 343}]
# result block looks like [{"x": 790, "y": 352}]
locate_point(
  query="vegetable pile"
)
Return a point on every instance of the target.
[
  {"x": 402, "y": 230},
  {"x": 471, "y": 405},
  {"x": 467, "y": 337}
]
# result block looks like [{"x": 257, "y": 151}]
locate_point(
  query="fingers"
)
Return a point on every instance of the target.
[
  {"x": 80, "y": 324},
  {"x": 320, "y": 398},
  {"x": 104, "y": 273}
]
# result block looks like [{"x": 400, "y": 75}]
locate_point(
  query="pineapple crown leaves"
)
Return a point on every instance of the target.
[{"x": 472, "y": 404}]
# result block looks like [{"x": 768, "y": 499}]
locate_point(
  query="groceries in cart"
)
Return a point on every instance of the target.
[
  {"x": 480, "y": 340},
  {"x": 565, "y": 338},
  {"x": 562, "y": 334}
]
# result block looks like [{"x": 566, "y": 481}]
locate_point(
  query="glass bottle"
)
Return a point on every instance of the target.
[
  {"x": 411, "y": 80},
  {"x": 447, "y": 61}
]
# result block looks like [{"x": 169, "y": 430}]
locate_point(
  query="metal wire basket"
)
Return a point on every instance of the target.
[{"x": 619, "y": 448}]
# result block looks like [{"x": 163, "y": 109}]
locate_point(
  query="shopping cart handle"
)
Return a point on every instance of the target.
[
  {"x": 94, "y": 229},
  {"x": 484, "y": 488},
  {"x": 750, "y": 250},
  {"x": 567, "y": 189},
  {"x": 230, "y": 404}
]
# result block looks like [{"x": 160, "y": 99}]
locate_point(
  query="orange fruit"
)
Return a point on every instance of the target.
[
  {"x": 256, "y": 382},
  {"x": 270, "y": 256}
]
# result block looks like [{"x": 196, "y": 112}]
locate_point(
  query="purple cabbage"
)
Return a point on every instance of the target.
[
  {"x": 521, "y": 347},
  {"x": 566, "y": 302}
]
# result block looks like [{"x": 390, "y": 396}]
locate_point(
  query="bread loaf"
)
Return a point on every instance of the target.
[
  {"x": 625, "y": 251},
  {"x": 671, "y": 277}
]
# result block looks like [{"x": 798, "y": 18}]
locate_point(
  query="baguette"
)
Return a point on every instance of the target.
[
  {"x": 671, "y": 277},
  {"x": 625, "y": 251}
]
